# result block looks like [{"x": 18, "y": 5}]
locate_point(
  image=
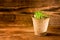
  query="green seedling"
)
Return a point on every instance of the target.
[{"x": 39, "y": 15}]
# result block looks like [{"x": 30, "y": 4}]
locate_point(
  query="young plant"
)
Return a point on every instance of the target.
[{"x": 39, "y": 15}]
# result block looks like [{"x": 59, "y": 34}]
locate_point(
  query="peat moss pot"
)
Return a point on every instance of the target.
[{"x": 40, "y": 23}]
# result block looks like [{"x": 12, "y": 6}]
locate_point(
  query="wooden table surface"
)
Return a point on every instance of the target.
[{"x": 23, "y": 33}]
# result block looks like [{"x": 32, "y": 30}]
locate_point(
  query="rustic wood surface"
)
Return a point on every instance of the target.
[
  {"x": 53, "y": 33},
  {"x": 19, "y": 27}
]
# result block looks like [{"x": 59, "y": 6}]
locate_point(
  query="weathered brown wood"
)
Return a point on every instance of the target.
[{"x": 29, "y": 3}]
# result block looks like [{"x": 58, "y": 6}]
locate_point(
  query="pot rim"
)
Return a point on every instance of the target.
[{"x": 41, "y": 18}]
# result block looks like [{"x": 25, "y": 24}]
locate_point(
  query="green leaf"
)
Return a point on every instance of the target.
[{"x": 39, "y": 15}]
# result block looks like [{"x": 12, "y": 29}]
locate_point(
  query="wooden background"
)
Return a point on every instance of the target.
[
  {"x": 23, "y": 9},
  {"x": 16, "y": 21}
]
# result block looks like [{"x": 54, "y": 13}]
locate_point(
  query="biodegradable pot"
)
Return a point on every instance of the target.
[{"x": 40, "y": 26}]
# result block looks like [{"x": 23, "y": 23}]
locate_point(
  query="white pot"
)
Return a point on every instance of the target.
[{"x": 40, "y": 26}]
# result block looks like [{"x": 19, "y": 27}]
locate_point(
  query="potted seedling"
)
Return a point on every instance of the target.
[{"x": 40, "y": 23}]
